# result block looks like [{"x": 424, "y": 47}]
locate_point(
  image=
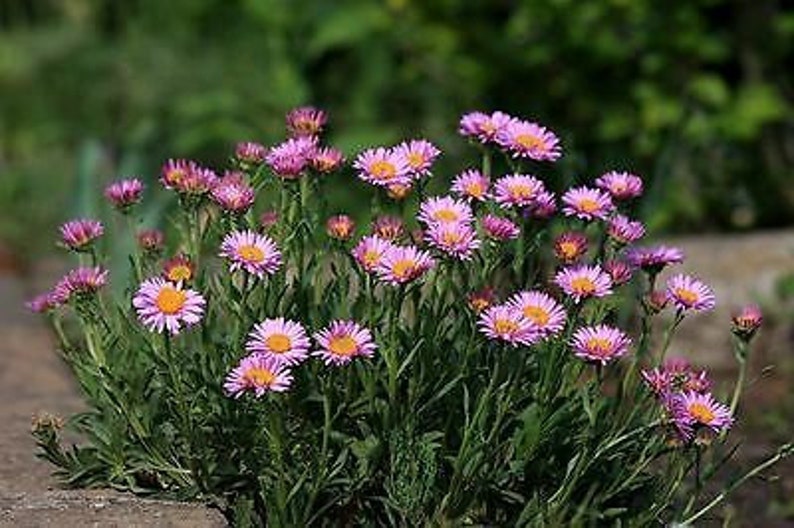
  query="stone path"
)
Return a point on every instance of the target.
[{"x": 33, "y": 379}]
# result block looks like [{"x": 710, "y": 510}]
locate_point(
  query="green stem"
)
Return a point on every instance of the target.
[
  {"x": 668, "y": 335},
  {"x": 737, "y": 390}
]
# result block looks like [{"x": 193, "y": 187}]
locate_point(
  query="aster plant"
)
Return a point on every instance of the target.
[{"x": 469, "y": 358}]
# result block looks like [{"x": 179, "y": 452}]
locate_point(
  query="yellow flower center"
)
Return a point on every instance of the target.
[
  {"x": 599, "y": 346},
  {"x": 170, "y": 300},
  {"x": 403, "y": 268},
  {"x": 416, "y": 160},
  {"x": 521, "y": 191},
  {"x": 278, "y": 343},
  {"x": 583, "y": 286},
  {"x": 687, "y": 297},
  {"x": 251, "y": 253},
  {"x": 259, "y": 377},
  {"x": 700, "y": 412},
  {"x": 530, "y": 142},
  {"x": 479, "y": 304},
  {"x": 343, "y": 345},
  {"x": 505, "y": 326},
  {"x": 475, "y": 189},
  {"x": 588, "y": 205},
  {"x": 371, "y": 258},
  {"x": 568, "y": 250},
  {"x": 445, "y": 215},
  {"x": 451, "y": 237},
  {"x": 180, "y": 273},
  {"x": 175, "y": 177},
  {"x": 383, "y": 170},
  {"x": 537, "y": 315}
]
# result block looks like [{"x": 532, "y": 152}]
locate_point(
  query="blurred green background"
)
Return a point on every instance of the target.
[{"x": 695, "y": 96}]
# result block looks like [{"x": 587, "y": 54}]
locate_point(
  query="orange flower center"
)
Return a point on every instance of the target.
[
  {"x": 687, "y": 297},
  {"x": 383, "y": 170},
  {"x": 568, "y": 250},
  {"x": 170, "y": 300},
  {"x": 416, "y": 160},
  {"x": 175, "y": 177},
  {"x": 505, "y": 326},
  {"x": 588, "y": 205},
  {"x": 583, "y": 286},
  {"x": 403, "y": 269},
  {"x": 537, "y": 315},
  {"x": 479, "y": 304},
  {"x": 445, "y": 215},
  {"x": 180, "y": 273},
  {"x": 278, "y": 343},
  {"x": 599, "y": 346},
  {"x": 451, "y": 237},
  {"x": 251, "y": 253},
  {"x": 398, "y": 192},
  {"x": 343, "y": 345},
  {"x": 259, "y": 377},
  {"x": 530, "y": 142},
  {"x": 700, "y": 412},
  {"x": 475, "y": 189},
  {"x": 371, "y": 258}
]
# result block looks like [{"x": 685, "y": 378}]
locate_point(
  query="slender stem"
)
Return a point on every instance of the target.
[
  {"x": 668, "y": 335},
  {"x": 737, "y": 390}
]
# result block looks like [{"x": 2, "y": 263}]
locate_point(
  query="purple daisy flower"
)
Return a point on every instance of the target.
[
  {"x": 163, "y": 305},
  {"x": 370, "y": 251},
  {"x": 250, "y": 153},
  {"x": 175, "y": 170},
  {"x": 524, "y": 139},
  {"x": 233, "y": 194},
  {"x": 688, "y": 293},
  {"x": 388, "y": 227},
  {"x": 472, "y": 185},
  {"x": 483, "y": 127},
  {"x": 383, "y": 167},
  {"x": 582, "y": 282},
  {"x": 340, "y": 227},
  {"x": 444, "y": 210},
  {"x": 600, "y": 344},
  {"x": 255, "y": 253},
  {"x": 654, "y": 259},
  {"x": 456, "y": 240},
  {"x": 546, "y": 314},
  {"x": 517, "y": 190},
  {"x": 621, "y": 185},
  {"x": 505, "y": 323},
  {"x": 342, "y": 341},
  {"x": 746, "y": 322},
  {"x": 695, "y": 410},
  {"x": 587, "y": 203},
  {"x": 419, "y": 154},
  {"x": 570, "y": 246},
  {"x": 620, "y": 271},
  {"x": 258, "y": 374},
  {"x": 500, "y": 228},
  {"x": 290, "y": 158},
  {"x": 123, "y": 194},
  {"x": 623, "y": 230},
  {"x": 306, "y": 121},
  {"x": 544, "y": 207},
  {"x": 326, "y": 159},
  {"x": 400, "y": 265},
  {"x": 281, "y": 339},
  {"x": 78, "y": 235}
]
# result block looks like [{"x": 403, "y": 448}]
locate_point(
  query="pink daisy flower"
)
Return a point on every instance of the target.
[
  {"x": 500, "y": 228},
  {"x": 529, "y": 140},
  {"x": 654, "y": 259},
  {"x": 258, "y": 374},
  {"x": 256, "y": 254},
  {"x": 78, "y": 235},
  {"x": 179, "y": 269},
  {"x": 250, "y": 153},
  {"x": 342, "y": 341},
  {"x": 696, "y": 410},
  {"x": 41, "y": 303},
  {"x": 284, "y": 340},
  {"x": 546, "y": 314},
  {"x": 621, "y": 185},
  {"x": 657, "y": 300},
  {"x": 151, "y": 240},
  {"x": 174, "y": 171},
  {"x": 383, "y": 167},
  {"x": 400, "y": 265},
  {"x": 326, "y": 159},
  {"x": 688, "y": 293},
  {"x": 586, "y": 203},
  {"x": 570, "y": 246},
  {"x": 444, "y": 209},
  {"x": 82, "y": 281},
  {"x": 623, "y": 230},
  {"x": 388, "y": 227},
  {"x": 233, "y": 194},
  {"x": 517, "y": 190},
  {"x": 340, "y": 227},
  {"x": 456, "y": 240},
  {"x": 600, "y": 343},
  {"x": 620, "y": 271},
  {"x": 370, "y": 251},
  {"x": 306, "y": 121},
  {"x": 746, "y": 322},
  {"x": 419, "y": 154},
  {"x": 472, "y": 185},
  {"x": 123, "y": 194},
  {"x": 482, "y": 126},
  {"x": 162, "y": 305},
  {"x": 289, "y": 159},
  {"x": 582, "y": 282},
  {"x": 505, "y": 323}
]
